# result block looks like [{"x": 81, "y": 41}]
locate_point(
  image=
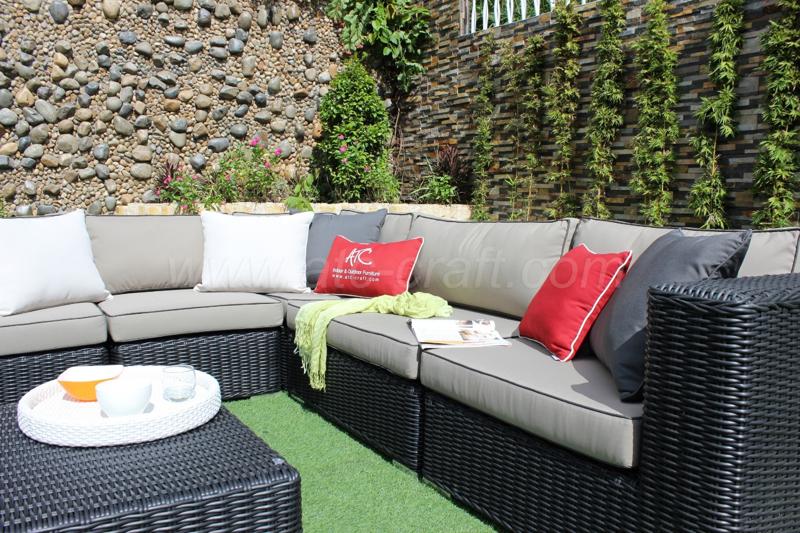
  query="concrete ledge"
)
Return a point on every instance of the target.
[{"x": 456, "y": 211}]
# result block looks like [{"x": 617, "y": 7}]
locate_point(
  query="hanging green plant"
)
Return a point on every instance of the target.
[
  {"x": 562, "y": 99},
  {"x": 653, "y": 146},
  {"x": 778, "y": 165},
  {"x": 482, "y": 145},
  {"x": 393, "y": 34},
  {"x": 525, "y": 85},
  {"x": 606, "y": 118},
  {"x": 715, "y": 117}
]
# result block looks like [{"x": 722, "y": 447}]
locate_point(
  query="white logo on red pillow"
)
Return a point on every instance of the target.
[{"x": 356, "y": 255}]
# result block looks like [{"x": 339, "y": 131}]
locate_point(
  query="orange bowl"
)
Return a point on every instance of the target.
[{"x": 79, "y": 381}]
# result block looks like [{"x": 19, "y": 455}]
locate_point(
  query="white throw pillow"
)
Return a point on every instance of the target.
[
  {"x": 254, "y": 253},
  {"x": 46, "y": 262}
]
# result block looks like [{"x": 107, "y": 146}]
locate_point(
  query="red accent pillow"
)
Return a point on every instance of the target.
[
  {"x": 368, "y": 269},
  {"x": 561, "y": 314}
]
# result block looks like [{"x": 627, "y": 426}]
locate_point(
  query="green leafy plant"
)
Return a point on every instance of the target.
[
  {"x": 606, "y": 118},
  {"x": 440, "y": 185},
  {"x": 715, "y": 116},
  {"x": 248, "y": 173},
  {"x": 3, "y": 212},
  {"x": 778, "y": 164},
  {"x": 305, "y": 192},
  {"x": 653, "y": 146},
  {"x": 352, "y": 156},
  {"x": 392, "y": 33},
  {"x": 562, "y": 99},
  {"x": 177, "y": 184},
  {"x": 482, "y": 145},
  {"x": 525, "y": 85},
  {"x": 436, "y": 189}
]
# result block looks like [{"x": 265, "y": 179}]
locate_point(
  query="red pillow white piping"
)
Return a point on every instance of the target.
[{"x": 597, "y": 300}]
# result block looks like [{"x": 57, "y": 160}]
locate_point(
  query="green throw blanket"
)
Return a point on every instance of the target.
[{"x": 311, "y": 323}]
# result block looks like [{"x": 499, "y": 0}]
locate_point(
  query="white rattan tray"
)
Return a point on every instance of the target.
[{"x": 48, "y": 414}]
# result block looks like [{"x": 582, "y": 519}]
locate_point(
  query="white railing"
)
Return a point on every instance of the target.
[{"x": 481, "y": 15}]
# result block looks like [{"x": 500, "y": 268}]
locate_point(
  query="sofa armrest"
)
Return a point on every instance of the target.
[{"x": 721, "y": 437}]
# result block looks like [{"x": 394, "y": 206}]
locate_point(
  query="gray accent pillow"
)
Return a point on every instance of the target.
[
  {"x": 363, "y": 227},
  {"x": 619, "y": 335}
]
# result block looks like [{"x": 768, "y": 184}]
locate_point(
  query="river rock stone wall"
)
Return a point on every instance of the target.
[
  {"x": 96, "y": 95},
  {"x": 442, "y": 105}
]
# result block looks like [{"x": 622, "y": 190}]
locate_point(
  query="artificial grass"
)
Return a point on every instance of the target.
[{"x": 346, "y": 486}]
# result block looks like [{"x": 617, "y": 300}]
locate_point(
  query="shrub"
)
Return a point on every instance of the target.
[
  {"x": 178, "y": 185},
  {"x": 437, "y": 187},
  {"x": 448, "y": 162},
  {"x": 248, "y": 173},
  {"x": 352, "y": 156}
]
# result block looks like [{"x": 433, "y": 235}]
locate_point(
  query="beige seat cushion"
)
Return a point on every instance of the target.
[
  {"x": 56, "y": 328},
  {"x": 573, "y": 404},
  {"x": 387, "y": 340},
  {"x": 497, "y": 266},
  {"x": 770, "y": 251},
  {"x": 150, "y": 315}
]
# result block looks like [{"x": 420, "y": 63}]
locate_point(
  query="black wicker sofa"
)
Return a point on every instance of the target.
[{"x": 530, "y": 443}]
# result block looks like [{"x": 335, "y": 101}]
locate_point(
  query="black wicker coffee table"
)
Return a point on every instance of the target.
[{"x": 219, "y": 476}]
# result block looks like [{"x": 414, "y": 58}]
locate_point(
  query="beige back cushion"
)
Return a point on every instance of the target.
[
  {"x": 497, "y": 266},
  {"x": 145, "y": 253},
  {"x": 770, "y": 251}
]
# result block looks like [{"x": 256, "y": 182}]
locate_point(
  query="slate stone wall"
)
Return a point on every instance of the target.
[
  {"x": 96, "y": 95},
  {"x": 442, "y": 104}
]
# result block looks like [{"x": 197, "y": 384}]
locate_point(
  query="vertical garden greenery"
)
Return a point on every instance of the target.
[
  {"x": 653, "y": 146},
  {"x": 392, "y": 33},
  {"x": 352, "y": 156},
  {"x": 562, "y": 98},
  {"x": 482, "y": 146},
  {"x": 715, "y": 117},
  {"x": 606, "y": 116},
  {"x": 776, "y": 173},
  {"x": 522, "y": 73}
]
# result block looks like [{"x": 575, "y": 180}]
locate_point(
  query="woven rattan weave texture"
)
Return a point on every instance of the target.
[
  {"x": 721, "y": 447},
  {"x": 372, "y": 404},
  {"x": 245, "y": 363},
  {"x": 520, "y": 481},
  {"x": 219, "y": 477},
  {"x": 21, "y": 373}
]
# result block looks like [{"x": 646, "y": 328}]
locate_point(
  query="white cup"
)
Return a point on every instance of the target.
[{"x": 124, "y": 396}]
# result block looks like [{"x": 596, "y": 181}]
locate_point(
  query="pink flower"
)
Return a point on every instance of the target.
[
  {"x": 278, "y": 151},
  {"x": 267, "y": 164},
  {"x": 167, "y": 180},
  {"x": 228, "y": 177},
  {"x": 255, "y": 140},
  {"x": 367, "y": 168},
  {"x": 341, "y": 137},
  {"x": 343, "y": 148},
  {"x": 344, "y": 160}
]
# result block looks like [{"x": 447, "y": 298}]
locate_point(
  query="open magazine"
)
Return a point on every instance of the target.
[{"x": 457, "y": 333}]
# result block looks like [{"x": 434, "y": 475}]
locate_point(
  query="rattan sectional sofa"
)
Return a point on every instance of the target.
[{"x": 531, "y": 443}]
